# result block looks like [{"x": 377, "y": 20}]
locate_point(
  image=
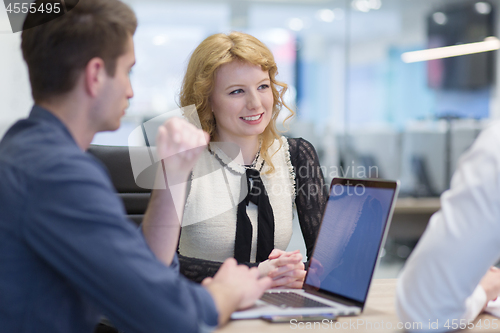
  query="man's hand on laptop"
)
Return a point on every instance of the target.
[
  {"x": 285, "y": 268},
  {"x": 235, "y": 287}
]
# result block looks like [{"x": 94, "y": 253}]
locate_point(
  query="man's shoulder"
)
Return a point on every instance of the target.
[{"x": 42, "y": 151}]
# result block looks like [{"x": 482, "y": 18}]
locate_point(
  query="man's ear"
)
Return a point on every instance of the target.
[{"x": 95, "y": 74}]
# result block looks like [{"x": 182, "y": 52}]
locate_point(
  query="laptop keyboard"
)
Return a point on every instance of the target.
[{"x": 291, "y": 300}]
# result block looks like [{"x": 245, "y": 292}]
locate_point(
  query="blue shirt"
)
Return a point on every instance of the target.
[{"x": 67, "y": 252}]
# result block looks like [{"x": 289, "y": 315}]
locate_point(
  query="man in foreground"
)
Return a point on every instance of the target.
[{"x": 68, "y": 254}]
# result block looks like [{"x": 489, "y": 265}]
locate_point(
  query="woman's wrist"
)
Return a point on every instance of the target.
[{"x": 264, "y": 268}]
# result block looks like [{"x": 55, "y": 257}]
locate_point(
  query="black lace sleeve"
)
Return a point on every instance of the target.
[
  {"x": 197, "y": 269},
  {"x": 312, "y": 192}
]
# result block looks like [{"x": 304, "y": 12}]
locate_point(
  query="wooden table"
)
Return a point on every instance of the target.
[
  {"x": 379, "y": 315},
  {"x": 411, "y": 216},
  {"x": 417, "y": 205}
]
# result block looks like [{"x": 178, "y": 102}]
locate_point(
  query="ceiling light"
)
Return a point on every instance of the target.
[
  {"x": 440, "y": 18},
  {"x": 375, "y": 4},
  {"x": 489, "y": 44},
  {"x": 296, "y": 24},
  {"x": 278, "y": 36},
  {"x": 483, "y": 8},
  {"x": 325, "y": 15},
  {"x": 361, "y": 5},
  {"x": 366, "y": 5}
]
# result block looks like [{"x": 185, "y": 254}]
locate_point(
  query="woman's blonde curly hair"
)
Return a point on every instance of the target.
[{"x": 212, "y": 53}]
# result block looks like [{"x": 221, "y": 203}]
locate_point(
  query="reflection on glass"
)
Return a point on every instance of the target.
[{"x": 349, "y": 239}]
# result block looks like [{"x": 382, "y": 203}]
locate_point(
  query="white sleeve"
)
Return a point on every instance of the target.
[
  {"x": 474, "y": 303},
  {"x": 460, "y": 243}
]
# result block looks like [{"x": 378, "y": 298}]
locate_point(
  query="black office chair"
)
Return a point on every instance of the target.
[
  {"x": 135, "y": 198},
  {"x": 117, "y": 160}
]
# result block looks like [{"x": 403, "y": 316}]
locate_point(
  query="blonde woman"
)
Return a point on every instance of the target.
[{"x": 245, "y": 184}]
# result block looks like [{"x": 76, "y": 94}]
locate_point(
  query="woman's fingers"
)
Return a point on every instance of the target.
[
  {"x": 289, "y": 269},
  {"x": 281, "y": 270},
  {"x": 281, "y": 282},
  {"x": 285, "y": 269},
  {"x": 277, "y": 253},
  {"x": 285, "y": 266},
  {"x": 292, "y": 259},
  {"x": 293, "y": 279},
  {"x": 293, "y": 273}
]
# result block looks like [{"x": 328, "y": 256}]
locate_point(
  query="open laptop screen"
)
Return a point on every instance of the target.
[{"x": 351, "y": 233}]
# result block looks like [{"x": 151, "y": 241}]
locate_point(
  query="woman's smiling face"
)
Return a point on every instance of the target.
[{"x": 242, "y": 101}]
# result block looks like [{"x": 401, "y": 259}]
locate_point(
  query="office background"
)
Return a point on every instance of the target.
[{"x": 367, "y": 112}]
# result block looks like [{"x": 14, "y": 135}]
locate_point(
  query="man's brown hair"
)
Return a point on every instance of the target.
[{"x": 56, "y": 52}]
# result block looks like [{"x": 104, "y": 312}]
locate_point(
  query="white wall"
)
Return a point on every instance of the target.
[{"x": 15, "y": 95}]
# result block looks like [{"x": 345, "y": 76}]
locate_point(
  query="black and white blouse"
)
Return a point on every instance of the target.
[{"x": 209, "y": 221}]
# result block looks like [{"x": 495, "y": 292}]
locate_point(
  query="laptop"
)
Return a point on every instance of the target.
[{"x": 353, "y": 231}]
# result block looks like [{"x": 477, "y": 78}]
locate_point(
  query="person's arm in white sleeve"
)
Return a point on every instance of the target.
[
  {"x": 460, "y": 244},
  {"x": 474, "y": 304}
]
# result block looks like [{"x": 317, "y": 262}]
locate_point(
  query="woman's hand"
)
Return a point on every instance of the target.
[{"x": 286, "y": 269}]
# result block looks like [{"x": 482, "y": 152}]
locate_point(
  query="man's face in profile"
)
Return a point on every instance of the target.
[{"x": 117, "y": 91}]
